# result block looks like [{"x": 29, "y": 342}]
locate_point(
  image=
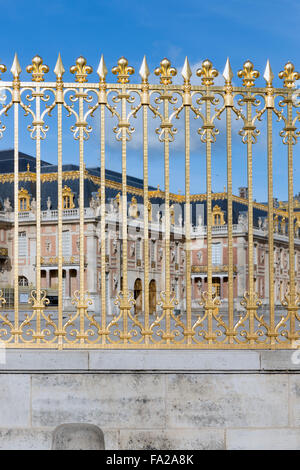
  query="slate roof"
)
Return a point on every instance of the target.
[{"x": 49, "y": 189}]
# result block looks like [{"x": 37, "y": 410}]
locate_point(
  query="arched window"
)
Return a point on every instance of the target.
[
  {"x": 68, "y": 198},
  {"x": 24, "y": 200},
  {"x": 138, "y": 296},
  {"x": 152, "y": 296},
  {"x": 217, "y": 216},
  {"x": 22, "y": 281}
]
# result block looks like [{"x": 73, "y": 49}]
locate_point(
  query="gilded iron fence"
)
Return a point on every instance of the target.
[{"x": 166, "y": 327}]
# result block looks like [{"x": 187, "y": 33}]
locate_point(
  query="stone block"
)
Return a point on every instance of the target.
[
  {"x": 173, "y": 360},
  {"x": 107, "y": 400},
  {"x": 14, "y": 400},
  {"x": 33, "y": 360},
  {"x": 226, "y": 400},
  {"x": 280, "y": 360},
  {"x": 78, "y": 436},
  {"x": 179, "y": 439},
  {"x": 263, "y": 439},
  {"x": 25, "y": 439}
]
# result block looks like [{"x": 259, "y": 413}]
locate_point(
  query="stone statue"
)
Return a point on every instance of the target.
[
  {"x": 49, "y": 203},
  {"x": 133, "y": 208},
  {"x": 259, "y": 223},
  {"x": 180, "y": 219},
  {"x": 33, "y": 205},
  {"x": 7, "y": 205},
  {"x": 200, "y": 220},
  {"x": 115, "y": 281}
]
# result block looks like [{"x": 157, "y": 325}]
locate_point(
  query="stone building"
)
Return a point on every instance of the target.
[{"x": 70, "y": 239}]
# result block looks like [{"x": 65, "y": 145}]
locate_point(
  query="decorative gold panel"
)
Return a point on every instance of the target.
[{"x": 194, "y": 305}]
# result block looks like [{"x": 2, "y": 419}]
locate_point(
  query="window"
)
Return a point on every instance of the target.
[
  {"x": 152, "y": 247},
  {"x": 22, "y": 244},
  {"x": 68, "y": 198},
  {"x": 24, "y": 200},
  {"x": 66, "y": 243},
  {"x": 217, "y": 216},
  {"x": 216, "y": 287},
  {"x": 216, "y": 253},
  {"x": 138, "y": 249},
  {"x": 22, "y": 281},
  {"x": 255, "y": 254}
]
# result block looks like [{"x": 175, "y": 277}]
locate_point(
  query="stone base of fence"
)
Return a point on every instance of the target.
[{"x": 153, "y": 399}]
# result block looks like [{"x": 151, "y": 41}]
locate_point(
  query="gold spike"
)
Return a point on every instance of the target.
[
  {"x": 248, "y": 74},
  {"x": 144, "y": 71},
  {"x": 289, "y": 75},
  {"x": 102, "y": 70},
  {"x": 123, "y": 70},
  {"x": 227, "y": 72},
  {"x": 16, "y": 68},
  {"x": 166, "y": 72},
  {"x": 37, "y": 68},
  {"x": 59, "y": 69},
  {"x": 81, "y": 70},
  {"x": 268, "y": 74},
  {"x": 186, "y": 72},
  {"x": 207, "y": 72}
]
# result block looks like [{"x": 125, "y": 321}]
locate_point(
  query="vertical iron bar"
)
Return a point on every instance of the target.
[
  {"x": 167, "y": 220},
  {"x": 146, "y": 221},
  {"x": 292, "y": 294},
  {"x": 188, "y": 226},
  {"x": 38, "y": 214},
  {"x": 271, "y": 225},
  {"x": 102, "y": 225},
  {"x": 59, "y": 227},
  {"x": 230, "y": 225},
  {"x": 250, "y": 223},
  {"x": 209, "y": 221},
  {"x": 81, "y": 217},
  {"x": 16, "y": 220},
  {"x": 124, "y": 219}
]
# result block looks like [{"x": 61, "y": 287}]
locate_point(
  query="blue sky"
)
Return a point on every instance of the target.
[{"x": 242, "y": 30}]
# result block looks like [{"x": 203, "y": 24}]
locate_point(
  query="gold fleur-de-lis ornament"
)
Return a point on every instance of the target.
[
  {"x": 81, "y": 70},
  {"x": 37, "y": 69},
  {"x": 165, "y": 71},
  {"x": 207, "y": 73},
  {"x": 289, "y": 75},
  {"x": 123, "y": 70},
  {"x": 2, "y": 68},
  {"x": 248, "y": 74}
]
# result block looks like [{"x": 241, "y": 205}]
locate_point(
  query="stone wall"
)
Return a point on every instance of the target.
[{"x": 153, "y": 399}]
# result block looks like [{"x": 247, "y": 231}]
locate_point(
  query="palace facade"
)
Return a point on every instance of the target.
[{"x": 49, "y": 249}]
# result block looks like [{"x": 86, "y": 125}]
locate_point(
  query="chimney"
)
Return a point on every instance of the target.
[{"x": 243, "y": 192}]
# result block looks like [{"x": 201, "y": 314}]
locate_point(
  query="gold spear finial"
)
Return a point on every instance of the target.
[
  {"x": 165, "y": 71},
  {"x": 81, "y": 69},
  {"x": 123, "y": 70},
  {"x": 102, "y": 70},
  {"x": 144, "y": 71},
  {"x": 248, "y": 74},
  {"x": 207, "y": 73},
  {"x": 16, "y": 68},
  {"x": 289, "y": 75},
  {"x": 37, "y": 68},
  {"x": 186, "y": 72},
  {"x": 227, "y": 72},
  {"x": 268, "y": 75},
  {"x": 59, "y": 69}
]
